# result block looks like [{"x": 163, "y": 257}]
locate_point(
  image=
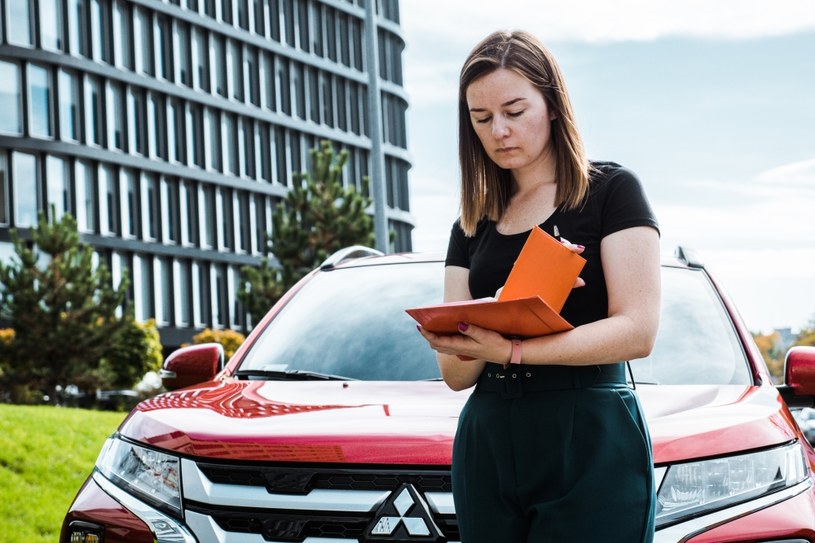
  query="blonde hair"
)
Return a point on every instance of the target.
[{"x": 485, "y": 187}]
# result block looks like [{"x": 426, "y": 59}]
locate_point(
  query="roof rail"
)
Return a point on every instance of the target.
[
  {"x": 348, "y": 253},
  {"x": 689, "y": 257}
]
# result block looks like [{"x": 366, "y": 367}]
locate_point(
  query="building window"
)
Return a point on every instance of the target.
[
  {"x": 274, "y": 19},
  {"x": 316, "y": 19},
  {"x": 57, "y": 188},
  {"x": 200, "y": 51},
  {"x": 214, "y": 140},
  {"x": 236, "y": 62},
  {"x": 95, "y": 111},
  {"x": 288, "y": 22},
  {"x": 151, "y": 219},
  {"x": 188, "y": 213},
  {"x": 68, "y": 106},
  {"x": 247, "y": 147},
  {"x": 218, "y": 61},
  {"x": 157, "y": 127},
  {"x": 230, "y": 127},
  {"x": 207, "y": 216},
  {"x": 264, "y": 151},
  {"x": 268, "y": 81},
  {"x": 164, "y": 42},
  {"x": 137, "y": 113},
  {"x": 145, "y": 307},
  {"x": 251, "y": 71},
  {"x": 226, "y": 219},
  {"x": 283, "y": 86},
  {"x": 298, "y": 84},
  {"x": 260, "y": 17},
  {"x": 182, "y": 53},
  {"x": 303, "y": 37},
  {"x": 100, "y": 31},
  {"x": 203, "y": 299},
  {"x": 243, "y": 14},
  {"x": 18, "y": 18},
  {"x": 39, "y": 105},
  {"x": 122, "y": 35},
  {"x": 143, "y": 41},
  {"x": 117, "y": 119},
  {"x": 165, "y": 299},
  {"x": 243, "y": 224},
  {"x": 170, "y": 211},
  {"x": 177, "y": 131},
  {"x": 26, "y": 190},
  {"x": 182, "y": 291},
  {"x": 129, "y": 190},
  {"x": 84, "y": 185},
  {"x": 78, "y": 27},
  {"x": 50, "y": 24},
  {"x": 196, "y": 123},
  {"x": 10, "y": 98},
  {"x": 220, "y": 296},
  {"x": 109, "y": 200},
  {"x": 4, "y": 194}
]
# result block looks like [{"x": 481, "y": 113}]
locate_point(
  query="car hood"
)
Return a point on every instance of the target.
[{"x": 414, "y": 422}]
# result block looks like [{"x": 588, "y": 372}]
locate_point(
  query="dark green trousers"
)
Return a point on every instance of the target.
[{"x": 569, "y": 465}]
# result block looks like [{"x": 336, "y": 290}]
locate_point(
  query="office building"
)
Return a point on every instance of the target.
[{"x": 170, "y": 129}]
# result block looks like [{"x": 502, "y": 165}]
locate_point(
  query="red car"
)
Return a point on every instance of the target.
[{"x": 331, "y": 425}]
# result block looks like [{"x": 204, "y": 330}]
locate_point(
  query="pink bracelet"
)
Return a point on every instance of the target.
[{"x": 517, "y": 351}]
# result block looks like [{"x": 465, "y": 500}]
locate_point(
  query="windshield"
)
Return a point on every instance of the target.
[{"x": 351, "y": 322}]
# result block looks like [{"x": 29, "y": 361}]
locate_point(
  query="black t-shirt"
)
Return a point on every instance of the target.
[{"x": 616, "y": 201}]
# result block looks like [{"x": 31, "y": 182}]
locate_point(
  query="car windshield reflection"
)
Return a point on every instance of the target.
[{"x": 351, "y": 322}]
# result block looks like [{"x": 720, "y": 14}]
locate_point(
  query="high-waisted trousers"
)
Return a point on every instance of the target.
[{"x": 553, "y": 454}]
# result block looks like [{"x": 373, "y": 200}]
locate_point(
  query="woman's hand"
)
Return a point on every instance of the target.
[{"x": 472, "y": 342}]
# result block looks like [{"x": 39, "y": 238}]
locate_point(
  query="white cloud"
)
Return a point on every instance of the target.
[{"x": 798, "y": 174}]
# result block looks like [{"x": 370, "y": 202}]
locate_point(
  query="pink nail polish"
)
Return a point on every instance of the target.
[{"x": 463, "y": 326}]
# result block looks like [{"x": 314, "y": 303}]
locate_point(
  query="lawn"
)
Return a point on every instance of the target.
[{"x": 45, "y": 455}]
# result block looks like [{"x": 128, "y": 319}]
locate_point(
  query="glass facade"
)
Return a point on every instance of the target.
[{"x": 171, "y": 129}]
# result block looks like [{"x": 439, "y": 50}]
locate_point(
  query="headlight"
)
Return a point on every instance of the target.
[
  {"x": 698, "y": 488},
  {"x": 153, "y": 476}
]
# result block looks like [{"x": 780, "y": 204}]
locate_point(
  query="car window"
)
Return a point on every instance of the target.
[
  {"x": 697, "y": 343},
  {"x": 351, "y": 322}
]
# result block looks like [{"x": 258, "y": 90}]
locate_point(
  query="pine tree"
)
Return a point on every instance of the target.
[
  {"x": 318, "y": 216},
  {"x": 63, "y": 311}
]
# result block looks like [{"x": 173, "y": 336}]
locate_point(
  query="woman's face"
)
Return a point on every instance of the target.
[{"x": 511, "y": 119}]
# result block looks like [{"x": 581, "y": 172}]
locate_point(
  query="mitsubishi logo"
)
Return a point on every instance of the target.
[{"x": 404, "y": 517}]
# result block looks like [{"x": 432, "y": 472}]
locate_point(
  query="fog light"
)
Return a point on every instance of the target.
[{"x": 84, "y": 532}]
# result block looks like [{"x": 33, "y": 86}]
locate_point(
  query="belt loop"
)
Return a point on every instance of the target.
[{"x": 513, "y": 382}]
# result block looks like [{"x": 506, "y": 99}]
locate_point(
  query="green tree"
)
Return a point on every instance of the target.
[
  {"x": 65, "y": 315},
  {"x": 806, "y": 336},
  {"x": 230, "y": 340},
  {"x": 318, "y": 216}
]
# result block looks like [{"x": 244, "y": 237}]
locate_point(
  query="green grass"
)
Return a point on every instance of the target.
[{"x": 45, "y": 455}]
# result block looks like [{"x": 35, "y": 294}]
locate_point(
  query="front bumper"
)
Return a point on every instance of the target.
[{"x": 787, "y": 516}]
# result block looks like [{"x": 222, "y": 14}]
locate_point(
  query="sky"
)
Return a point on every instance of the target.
[{"x": 712, "y": 104}]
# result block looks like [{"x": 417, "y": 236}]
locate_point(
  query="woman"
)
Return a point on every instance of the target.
[{"x": 555, "y": 448}]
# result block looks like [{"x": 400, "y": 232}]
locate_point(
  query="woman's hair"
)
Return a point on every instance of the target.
[{"x": 485, "y": 187}]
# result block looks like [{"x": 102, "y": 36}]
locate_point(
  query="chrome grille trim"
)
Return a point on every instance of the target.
[{"x": 196, "y": 487}]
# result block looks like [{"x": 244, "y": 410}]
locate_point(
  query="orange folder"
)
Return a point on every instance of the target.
[{"x": 529, "y": 305}]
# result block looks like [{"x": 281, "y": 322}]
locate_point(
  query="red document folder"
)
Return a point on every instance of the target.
[{"x": 529, "y": 305}]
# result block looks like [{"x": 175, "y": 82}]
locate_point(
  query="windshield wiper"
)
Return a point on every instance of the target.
[{"x": 291, "y": 375}]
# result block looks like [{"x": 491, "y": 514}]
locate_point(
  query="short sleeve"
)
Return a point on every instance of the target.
[
  {"x": 458, "y": 253},
  {"x": 626, "y": 204}
]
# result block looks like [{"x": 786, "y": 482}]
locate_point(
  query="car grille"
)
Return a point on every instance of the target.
[{"x": 228, "y": 502}]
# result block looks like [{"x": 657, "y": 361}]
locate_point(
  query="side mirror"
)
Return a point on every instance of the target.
[
  {"x": 799, "y": 377},
  {"x": 192, "y": 365}
]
